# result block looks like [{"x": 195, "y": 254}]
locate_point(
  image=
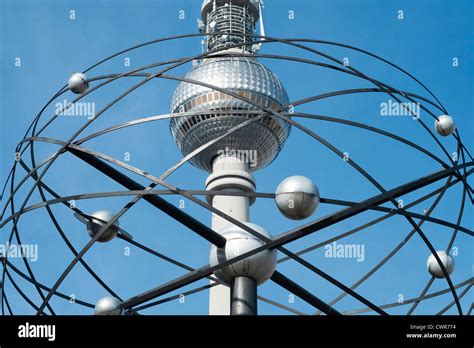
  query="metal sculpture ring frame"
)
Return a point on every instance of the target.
[{"x": 453, "y": 172}]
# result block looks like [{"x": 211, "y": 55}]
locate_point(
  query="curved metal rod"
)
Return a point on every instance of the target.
[
  {"x": 306, "y": 100},
  {"x": 368, "y": 177},
  {"x": 78, "y": 197},
  {"x": 273, "y": 40},
  {"x": 170, "y": 171},
  {"x": 368, "y": 224},
  {"x": 290, "y": 122},
  {"x": 144, "y": 247},
  {"x": 231, "y": 220},
  {"x": 373, "y": 270},
  {"x": 283, "y": 41},
  {"x": 22, "y": 294},
  {"x": 42, "y": 286},
  {"x": 325, "y": 118},
  {"x": 392, "y": 200},
  {"x": 291, "y": 42},
  {"x": 63, "y": 235},
  {"x": 448, "y": 249},
  {"x": 398, "y": 247},
  {"x": 188, "y": 268},
  {"x": 293, "y": 235},
  {"x": 461, "y": 295},
  {"x": 61, "y": 91},
  {"x": 388, "y": 92},
  {"x": 45, "y": 302},
  {"x": 422, "y": 294},
  {"x": 55, "y": 156},
  {"x": 398, "y": 304},
  {"x": 470, "y": 309},
  {"x": 6, "y": 302},
  {"x": 25, "y": 261},
  {"x": 203, "y": 192}
]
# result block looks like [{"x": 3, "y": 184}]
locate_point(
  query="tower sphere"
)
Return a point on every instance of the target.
[
  {"x": 433, "y": 265},
  {"x": 78, "y": 83},
  {"x": 259, "y": 267},
  {"x": 219, "y": 112},
  {"x": 445, "y": 125},
  {"x": 101, "y": 218},
  {"x": 108, "y": 305},
  {"x": 297, "y": 197}
]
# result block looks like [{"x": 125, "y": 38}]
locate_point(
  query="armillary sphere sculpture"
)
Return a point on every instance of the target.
[{"x": 228, "y": 106}]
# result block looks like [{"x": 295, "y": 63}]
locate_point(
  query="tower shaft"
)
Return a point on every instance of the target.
[{"x": 230, "y": 174}]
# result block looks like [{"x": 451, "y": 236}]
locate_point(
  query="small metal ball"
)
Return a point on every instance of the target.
[
  {"x": 297, "y": 197},
  {"x": 108, "y": 305},
  {"x": 434, "y": 267},
  {"x": 259, "y": 267},
  {"x": 445, "y": 125},
  {"x": 78, "y": 83},
  {"x": 94, "y": 226}
]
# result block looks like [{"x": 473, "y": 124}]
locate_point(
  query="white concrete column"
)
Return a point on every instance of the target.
[{"x": 229, "y": 174}]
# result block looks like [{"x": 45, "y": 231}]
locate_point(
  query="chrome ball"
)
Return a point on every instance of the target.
[
  {"x": 297, "y": 197},
  {"x": 434, "y": 267},
  {"x": 78, "y": 83},
  {"x": 445, "y": 125},
  {"x": 108, "y": 305},
  {"x": 259, "y": 267},
  {"x": 213, "y": 113},
  {"x": 100, "y": 219}
]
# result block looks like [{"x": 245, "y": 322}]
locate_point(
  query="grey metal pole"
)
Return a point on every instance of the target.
[{"x": 244, "y": 296}]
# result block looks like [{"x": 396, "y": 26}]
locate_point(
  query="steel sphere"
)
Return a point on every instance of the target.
[
  {"x": 297, "y": 197},
  {"x": 78, "y": 83},
  {"x": 445, "y": 125},
  {"x": 434, "y": 267},
  {"x": 108, "y": 305},
  {"x": 101, "y": 218},
  {"x": 250, "y": 79},
  {"x": 259, "y": 267}
]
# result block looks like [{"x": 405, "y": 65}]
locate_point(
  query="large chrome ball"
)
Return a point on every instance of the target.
[
  {"x": 78, "y": 83},
  {"x": 259, "y": 267},
  {"x": 217, "y": 112},
  {"x": 434, "y": 267},
  {"x": 297, "y": 197},
  {"x": 445, "y": 125},
  {"x": 108, "y": 305},
  {"x": 100, "y": 219}
]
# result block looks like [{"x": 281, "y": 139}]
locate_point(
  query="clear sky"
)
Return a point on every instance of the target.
[{"x": 49, "y": 45}]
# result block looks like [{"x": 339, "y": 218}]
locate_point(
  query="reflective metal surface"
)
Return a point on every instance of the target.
[
  {"x": 297, "y": 197},
  {"x": 259, "y": 267},
  {"x": 108, "y": 305},
  {"x": 444, "y": 125},
  {"x": 248, "y": 78},
  {"x": 434, "y": 267}
]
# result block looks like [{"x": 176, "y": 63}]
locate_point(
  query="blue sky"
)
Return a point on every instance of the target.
[{"x": 51, "y": 46}]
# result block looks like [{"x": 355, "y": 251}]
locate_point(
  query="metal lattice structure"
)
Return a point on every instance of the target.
[{"x": 267, "y": 116}]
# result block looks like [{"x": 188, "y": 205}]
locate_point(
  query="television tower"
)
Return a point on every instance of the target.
[{"x": 232, "y": 160}]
